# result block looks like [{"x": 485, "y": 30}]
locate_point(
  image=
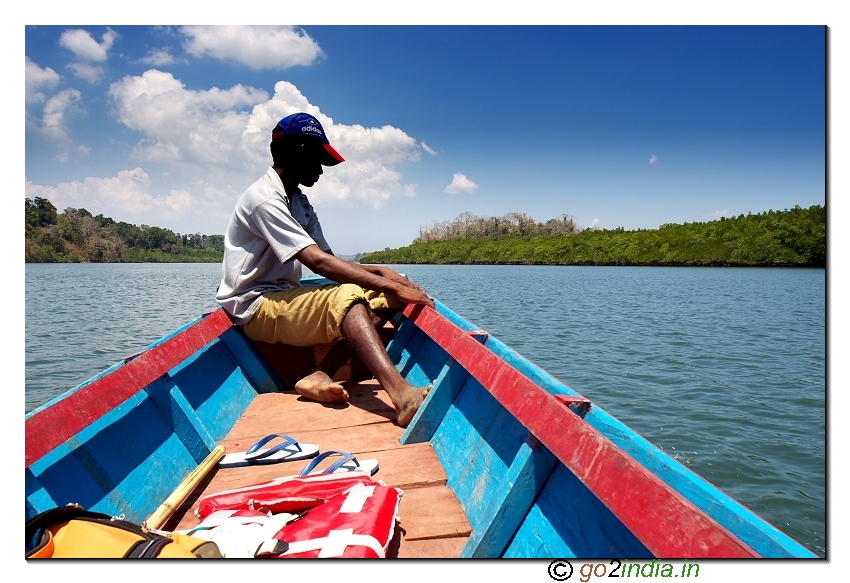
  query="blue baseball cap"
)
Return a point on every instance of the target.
[{"x": 305, "y": 125}]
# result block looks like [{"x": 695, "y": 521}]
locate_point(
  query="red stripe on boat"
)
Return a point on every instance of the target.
[
  {"x": 55, "y": 425},
  {"x": 662, "y": 519}
]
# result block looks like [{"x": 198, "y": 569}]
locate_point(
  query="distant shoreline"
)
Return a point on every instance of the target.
[
  {"x": 76, "y": 236},
  {"x": 789, "y": 238},
  {"x": 176, "y": 260},
  {"x": 792, "y": 266}
]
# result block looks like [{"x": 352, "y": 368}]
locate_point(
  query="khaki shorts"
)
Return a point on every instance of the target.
[{"x": 310, "y": 315}]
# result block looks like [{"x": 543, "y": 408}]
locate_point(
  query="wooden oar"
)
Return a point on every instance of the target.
[{"x": 161, "y": 515}]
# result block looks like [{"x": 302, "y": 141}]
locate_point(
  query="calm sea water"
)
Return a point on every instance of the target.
[{"x": 724, "y": 369}]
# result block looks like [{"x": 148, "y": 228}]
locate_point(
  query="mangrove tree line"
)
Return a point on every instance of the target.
[{"x": 793, "y": 237}]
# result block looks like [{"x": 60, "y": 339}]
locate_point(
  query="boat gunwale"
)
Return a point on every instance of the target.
[
  {"x": 60, "y": 420},
  {"x": 740, "y": 520},
  {"x": 676, "y": 527},
  {"x": 735, "y": 516}
]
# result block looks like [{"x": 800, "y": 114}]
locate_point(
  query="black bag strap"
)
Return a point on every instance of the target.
[
  {"x": 58, "y": 516},
  {"x": 144, "y": 549},
  {"x": 148, "y": 549}
]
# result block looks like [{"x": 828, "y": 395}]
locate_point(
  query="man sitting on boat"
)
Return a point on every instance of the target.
[{"x": 272, "y": 232}]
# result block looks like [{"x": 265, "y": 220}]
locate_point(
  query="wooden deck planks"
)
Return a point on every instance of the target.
[
  {"x": 439, "y": 548},
  {"x": 291, "y": 413},
  {"x": 432, "y": 522},
  {"x": 432, "y": 513}
]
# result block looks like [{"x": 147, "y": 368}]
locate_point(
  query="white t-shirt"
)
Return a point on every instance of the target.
[{"x": 267, "y": 229}]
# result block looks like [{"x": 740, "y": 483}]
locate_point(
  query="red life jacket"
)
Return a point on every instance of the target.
[
  {"x": 291, "y": 494},
  {"x": 359, "y": 523}
]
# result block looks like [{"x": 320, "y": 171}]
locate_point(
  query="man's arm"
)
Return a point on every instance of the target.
[
  {"x": 342, "y": 271},
  {"x": 381, "y": 271},
  {"x": 390, "y": 274}
]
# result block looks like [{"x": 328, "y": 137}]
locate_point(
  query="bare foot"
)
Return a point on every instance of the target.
[
  {"x": 318, "y": 386},
  {"x": 409, "y": 404}
]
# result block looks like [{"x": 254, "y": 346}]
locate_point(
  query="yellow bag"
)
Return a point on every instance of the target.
[{"x": 72, "y": 532}]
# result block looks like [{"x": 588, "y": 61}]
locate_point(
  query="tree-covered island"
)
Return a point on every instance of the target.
[
  {"x": 795, "y": 237},
  {"x": 75, "y": 236}
]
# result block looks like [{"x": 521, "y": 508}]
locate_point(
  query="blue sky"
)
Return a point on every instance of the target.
[{"x": 629, "y": 126}]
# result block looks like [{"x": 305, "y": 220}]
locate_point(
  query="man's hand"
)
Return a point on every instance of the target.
[
  {"x": 409, "y": 292},
  {"x": 392, "y": 276},
  {"x": 411, "y": 295}
]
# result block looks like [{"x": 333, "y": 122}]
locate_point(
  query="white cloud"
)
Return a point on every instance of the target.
[
  {"x": 54, "y": 124},
  {"x": 36, "y": 79},
  {"x": 460, "y": 183},
  {"x": 84, "y": 47},
  {"x": 723, "y": 213},
  {"x": 653, "y": 159},
  {"x": 259, "y": 47},
  {"x": 368, "y": 174},
  {"x": 87, "y": 71},
  {"x": 221, "y": 137},
  {"x": 157, "y": 57},
  {"x": 52, "y": 121},
  {"x": 594, "y": 224},
  {"x": 427, "y": 149},
  {"x": 183, "y": 126},
  {"x": 56, "y": 110},
  {"x": 87, "y": 51},
  {"x": 124, "y": 197}
]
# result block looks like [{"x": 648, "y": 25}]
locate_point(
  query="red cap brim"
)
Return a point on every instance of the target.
[{"x": 332, "y": 158}]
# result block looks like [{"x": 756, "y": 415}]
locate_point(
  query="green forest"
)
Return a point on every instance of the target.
[
  {"x": 75, "y": 236},
  {"x": 795, "y": 237}
]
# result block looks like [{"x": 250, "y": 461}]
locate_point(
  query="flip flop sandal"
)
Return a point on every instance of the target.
[
  {"x": 348, "y": 463},
  {"x": 287, "y": 450}
]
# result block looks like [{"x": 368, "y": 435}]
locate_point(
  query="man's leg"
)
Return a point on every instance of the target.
[
  {"x": 359, "y": 329},
  {"x": 319, "y": 384},
  {"x": 307, "y": 316}
]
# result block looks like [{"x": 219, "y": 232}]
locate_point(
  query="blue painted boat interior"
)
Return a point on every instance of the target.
[
  {"x": 132, "y": 459},
  {"x": 520, "y": 501}
]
